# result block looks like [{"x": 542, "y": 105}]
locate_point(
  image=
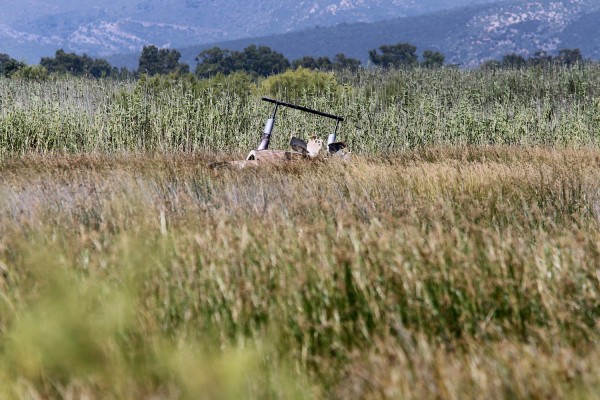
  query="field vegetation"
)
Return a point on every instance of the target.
[
  {"x": 455, "y": 257},
  {"x": 386, "y": 112}
]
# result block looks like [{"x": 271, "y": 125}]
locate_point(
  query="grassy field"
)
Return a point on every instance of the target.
[{"x": 451, "y": 259}]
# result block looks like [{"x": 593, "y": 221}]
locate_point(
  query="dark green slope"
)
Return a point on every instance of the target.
[
  {"x": 466, "y": 36},
  {"x": 355, "y": 40},
  {"x": 436, "y": 31},
  {"x": 585, "y": 35}
]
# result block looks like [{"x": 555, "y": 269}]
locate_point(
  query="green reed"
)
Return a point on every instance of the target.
[{"x": 385, "y": 111}]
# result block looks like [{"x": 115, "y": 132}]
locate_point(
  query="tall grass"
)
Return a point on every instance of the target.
[
  {"x": 386, "y": 111},
  {"x": 440, "y": 272},
  {"x": 455, "y": 257}
]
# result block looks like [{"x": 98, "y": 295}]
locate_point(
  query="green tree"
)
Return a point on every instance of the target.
[
  {"x": 433, "y": 59},
  {"x": 155, "y": 61},
  {"x": 305, "y": 62},
  {"x": 540, "y": 59},
  {"x": 491, "y": 65},
  {"x": 100, "y": 68},
  {"x": 123, "y": 73},
  {"x": 78, "y": 65},
  {"x": 8, "y": 65},
  {"x": 397, "y": 55},
  {"x": 514, "y": 61},
  {"x": 215, "y": 61},
  {"x": 341, "y": 62},
  {"x": 31, "y": 72},
  {"x": 257, "y": 61},
  {"x": 263, "y": 61},
  {"x": 322, "y": 63},
  {"x": 569, "y": 57},
  {"x": 64, "y": 63}
]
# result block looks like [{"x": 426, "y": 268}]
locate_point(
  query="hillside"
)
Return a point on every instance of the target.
[
  {"x": 30, "y": 29},
  {"x": 467, "y": 36},
  {"x": 584, "y": 34}
]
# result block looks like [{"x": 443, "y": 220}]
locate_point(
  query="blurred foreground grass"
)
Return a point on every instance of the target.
[{"x": 447, "y": 272}]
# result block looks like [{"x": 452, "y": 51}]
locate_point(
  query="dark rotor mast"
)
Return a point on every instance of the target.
[{"x": 264, "y": 144}]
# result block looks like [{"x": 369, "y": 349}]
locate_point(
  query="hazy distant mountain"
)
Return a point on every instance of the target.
[
  {"x": 467, "y": 36},
  {"x": 467, "y": 31},
  {"x": 30, "y": 29}
]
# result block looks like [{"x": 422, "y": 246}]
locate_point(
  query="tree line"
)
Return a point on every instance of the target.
[
  {"x": 541, "y": 58},
  {"x": 254, "y": 60},
  {"x": 62, "y": 63},
  {"x": 259, "y": 61}
]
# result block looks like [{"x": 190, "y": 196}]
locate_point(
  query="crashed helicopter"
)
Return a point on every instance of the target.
[{"x": 299, "y": 148}]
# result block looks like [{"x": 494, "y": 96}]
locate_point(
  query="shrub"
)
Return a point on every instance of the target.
[
  {"x": 302, "y": 82},
  {"x": 32, "y": 72}
]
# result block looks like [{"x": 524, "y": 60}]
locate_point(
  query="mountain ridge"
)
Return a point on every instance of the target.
[
  {"x": 466, "y": 36},
  {"x": 480, "y": 30},
  {"x": 119, "y": 26}
]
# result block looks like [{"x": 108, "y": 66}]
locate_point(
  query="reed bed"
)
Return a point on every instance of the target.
[
  {"x": 455, "y": 257},
  {"x": 441, "y": 272},
  {"x": 386, "y": 111}
]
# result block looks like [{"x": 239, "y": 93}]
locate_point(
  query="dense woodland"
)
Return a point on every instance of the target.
[{"x": 259, "y": 61}]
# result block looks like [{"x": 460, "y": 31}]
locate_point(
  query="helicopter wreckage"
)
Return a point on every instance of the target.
[{"x": 300, "y": 149}]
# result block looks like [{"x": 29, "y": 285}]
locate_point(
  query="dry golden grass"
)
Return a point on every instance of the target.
[{"x": 440, "y": 273}]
